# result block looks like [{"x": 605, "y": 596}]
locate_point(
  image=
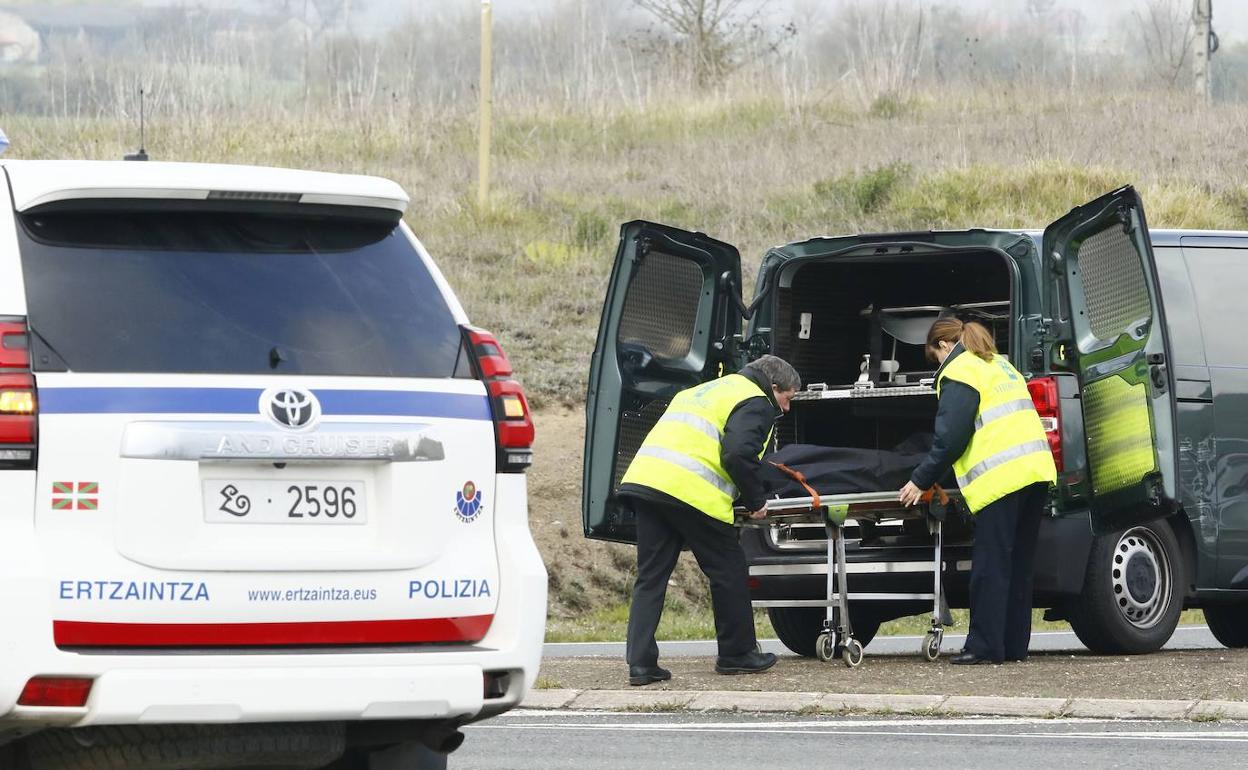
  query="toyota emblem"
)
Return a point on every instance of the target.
[{"x": 292, "y": 408}]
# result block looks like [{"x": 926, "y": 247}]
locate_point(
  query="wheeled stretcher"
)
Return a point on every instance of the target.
[{"x": 833, "y": 511}]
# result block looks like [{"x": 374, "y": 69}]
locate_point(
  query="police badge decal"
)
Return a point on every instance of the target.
[{"x": 468, "y": 503}]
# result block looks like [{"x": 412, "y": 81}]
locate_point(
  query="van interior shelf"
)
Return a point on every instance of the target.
[{"x": 819, "y": 392}]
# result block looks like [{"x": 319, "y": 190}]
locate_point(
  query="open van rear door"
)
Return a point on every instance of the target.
[
  {"x": 671, "y": 320},
  {"x": 1118, "y": 347}
]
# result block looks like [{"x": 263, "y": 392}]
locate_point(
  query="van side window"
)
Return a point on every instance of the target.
[
  {"x": 1180, "y": 306},
  {"x": 1220, "y": 280}
]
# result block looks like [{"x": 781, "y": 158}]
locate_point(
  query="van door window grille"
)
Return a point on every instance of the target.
[
  {"x": 661, "y": 307},
  {"x": 1114, "y": 286},
  {"x": 1120, "y": 433},
  {"x": 634, "y": 426}
]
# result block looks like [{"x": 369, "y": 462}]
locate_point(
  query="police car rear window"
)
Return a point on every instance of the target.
[{"x": 232, "y": 293}]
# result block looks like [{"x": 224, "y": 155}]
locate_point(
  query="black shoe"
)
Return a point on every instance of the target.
[
  {"x": 752, "y": 662},
  {"x": 639, "y": 675},
  {"x": 965, "y": 658},
  {"x": 1012, "y": 659}
]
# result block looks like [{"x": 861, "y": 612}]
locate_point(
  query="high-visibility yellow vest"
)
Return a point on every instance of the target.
[
  {"x": 1009, "y": 450},
  {"x": 680, "y": 455}
]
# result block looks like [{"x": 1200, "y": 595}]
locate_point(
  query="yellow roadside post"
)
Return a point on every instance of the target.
[{"x": 487, "y": 104}]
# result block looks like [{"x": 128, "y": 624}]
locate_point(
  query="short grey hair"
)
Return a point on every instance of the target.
[{"x": 778, "y": 372}]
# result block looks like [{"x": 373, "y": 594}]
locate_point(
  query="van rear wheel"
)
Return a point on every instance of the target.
[
  {"x": 1229, "y": 624},
  {"x": 798, "y": 628},
  {"x": 1131, "y": 596}
]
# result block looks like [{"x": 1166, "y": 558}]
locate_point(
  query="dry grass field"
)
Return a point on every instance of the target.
[{"x": 749, "y": 166}]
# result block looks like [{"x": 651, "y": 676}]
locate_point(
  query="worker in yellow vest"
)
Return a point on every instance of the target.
[
  {"x": 704, "y": 453},
  {"x": 987, "y": 429}
]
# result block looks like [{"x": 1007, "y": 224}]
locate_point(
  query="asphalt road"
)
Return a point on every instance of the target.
[
  {"x": 1185, "y": 638},
  {"x": 584, "y": 741}
]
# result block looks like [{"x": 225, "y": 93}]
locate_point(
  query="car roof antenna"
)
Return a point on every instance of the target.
[{"x": 142, "y": 153}]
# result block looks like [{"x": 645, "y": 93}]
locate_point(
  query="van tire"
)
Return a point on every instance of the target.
[
  {"x": 799, "y": 627},
  {"x": 1229, "y": 624},
  {"x": 1132, "y": 591},
  {"x": 186, "y": 747}
]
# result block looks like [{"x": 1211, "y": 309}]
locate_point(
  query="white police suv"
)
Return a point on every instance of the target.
[{"x": 262, "y": 500}]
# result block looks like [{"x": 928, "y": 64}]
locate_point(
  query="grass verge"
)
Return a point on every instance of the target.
[
  {"x": 610, "y": 624},
  {"x": 547, "y": 683}
]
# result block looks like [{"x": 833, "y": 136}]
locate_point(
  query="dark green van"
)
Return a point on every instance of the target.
[{"x": 1129, "y": 341}]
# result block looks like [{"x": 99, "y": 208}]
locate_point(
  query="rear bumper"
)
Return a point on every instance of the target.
[
  {"x": 425, "y": 682},
  {"x": 287, "y": 693},
  {"x": 901, "y": 578}
]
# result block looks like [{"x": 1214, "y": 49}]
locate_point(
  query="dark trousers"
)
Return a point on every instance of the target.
[
  {"x": 1002, "y": 562},
  {"x": 661, "y": 532}
]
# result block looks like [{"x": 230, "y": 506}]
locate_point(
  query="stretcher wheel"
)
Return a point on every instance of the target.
[
  {"x": 931, "y": 644},
  {"x": 825, "y": 648},
  {"x": 853, "y": 653}
]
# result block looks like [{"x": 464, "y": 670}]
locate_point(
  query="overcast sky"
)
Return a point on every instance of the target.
[{"x": 1230, "y": 17}]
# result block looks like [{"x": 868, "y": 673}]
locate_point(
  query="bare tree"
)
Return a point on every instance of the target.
[
  {"x": 715, "y": 37},
  {"x": 1164, "y": 30},
  {"x": 885, "y": 44}
]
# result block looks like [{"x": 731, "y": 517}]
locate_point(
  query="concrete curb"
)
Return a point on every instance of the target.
[{"x": 848, "y": 703}]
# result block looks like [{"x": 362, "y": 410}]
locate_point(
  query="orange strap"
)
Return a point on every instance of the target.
[
  {"x": 800, "y": 479},
  {"x": 936, "y": 492}
]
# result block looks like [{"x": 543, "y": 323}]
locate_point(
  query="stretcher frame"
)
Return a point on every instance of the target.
[{"x": 837, "y": 636}]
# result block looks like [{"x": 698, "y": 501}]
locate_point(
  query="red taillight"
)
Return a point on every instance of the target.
[
  {"x": 56, "y": 691},
  {"x": 1049, "y": 406},
  {"x": 513, "y": 422},
  {"x": 17, "y": 409},
  {"x": 13, "y": 346},
  {"x": 18, "y": 401}
]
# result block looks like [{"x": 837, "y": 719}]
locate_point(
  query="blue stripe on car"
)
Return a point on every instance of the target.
[{"x": 379, "y": 403}]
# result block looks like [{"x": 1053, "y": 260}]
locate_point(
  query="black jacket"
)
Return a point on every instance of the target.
[
  {"x": 744, "y": 435},
  {"x": 955, "y": 424}
]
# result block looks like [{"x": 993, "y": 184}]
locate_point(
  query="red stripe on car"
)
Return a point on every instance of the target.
[{"x": 74, "y": 633}]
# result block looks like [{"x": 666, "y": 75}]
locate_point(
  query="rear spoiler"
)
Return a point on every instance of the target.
[{"x": 292, "y": 206}]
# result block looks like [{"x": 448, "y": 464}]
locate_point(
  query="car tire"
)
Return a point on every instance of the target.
[
  {"x": 186, "y": 747},
  {"x": 1229, "y": 624},
  {"x": 1132, "y": 591},
  {"x": 798, "y": 628}
]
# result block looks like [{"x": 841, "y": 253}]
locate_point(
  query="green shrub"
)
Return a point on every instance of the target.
[
  {"x": 890, "y": 106},
  {"x": 1034, "y": 194},
  {"x": 865, "y": 192},
  {"x": 590, "y": 229}
]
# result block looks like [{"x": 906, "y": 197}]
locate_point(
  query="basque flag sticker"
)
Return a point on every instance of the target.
[{"x": 79, "y": 496}]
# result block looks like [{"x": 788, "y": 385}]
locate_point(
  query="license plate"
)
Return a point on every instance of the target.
[{"x": 236, "y": 501}]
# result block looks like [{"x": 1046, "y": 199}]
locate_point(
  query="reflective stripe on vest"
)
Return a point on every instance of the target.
[
  {"x": 1002, "y": 410},
  {"x": 681, "y": 454},
  {"x": 1000, "y": 458},
  {"x": 691, "y": 465},
  {"x": 1008, "y": 450},
  {"x": 694, "y": 421}
]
